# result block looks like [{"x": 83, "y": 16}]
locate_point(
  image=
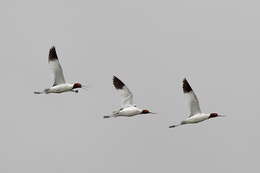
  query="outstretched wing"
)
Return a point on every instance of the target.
[
  {"x": 127, "y": 96},
  {"x": 193, "y": 100},
  {"x": 56, "y": 67}
]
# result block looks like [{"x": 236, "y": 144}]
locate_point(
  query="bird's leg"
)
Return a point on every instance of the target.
[{"x": 75, "y": 91}]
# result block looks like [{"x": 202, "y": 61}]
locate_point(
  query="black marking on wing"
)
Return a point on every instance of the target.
[
  {"x": 186, "y": 86},
  {"x": 52, "y": 54},
  {"x": 118, "y": 83}
]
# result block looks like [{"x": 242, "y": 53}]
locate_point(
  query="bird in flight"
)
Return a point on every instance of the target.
[
  {"x": 128, "y": 109},
  {"x": 196, "y": 115},
  {"x": 60, "y": 84}
]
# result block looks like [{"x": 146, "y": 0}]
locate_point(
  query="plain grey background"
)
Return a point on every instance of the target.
[{"x": 151, "y": 45}]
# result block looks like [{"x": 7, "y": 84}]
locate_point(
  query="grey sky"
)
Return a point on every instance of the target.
[{"x": 150, "y": 45}]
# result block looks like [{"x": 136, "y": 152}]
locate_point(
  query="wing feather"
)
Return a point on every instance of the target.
[
  {"x": 56, "y": 67},
  {"x": 192, "y": 98},
  {"x": 127, "y": 96}
]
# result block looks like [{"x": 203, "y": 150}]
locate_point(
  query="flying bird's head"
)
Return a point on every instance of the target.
[
  {"x": 77, "y": 85},
  {"x": 214, "y": 115},
  {"x": 145, "y": 111}
]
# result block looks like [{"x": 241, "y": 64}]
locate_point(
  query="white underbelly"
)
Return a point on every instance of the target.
[
  {"x": 131, "y": 111},
  {"x": 195, "y": 119},
  {"x": 60, "y": 88}
]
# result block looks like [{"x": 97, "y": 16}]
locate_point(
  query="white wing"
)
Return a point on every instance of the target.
[
  {"x": 127, "y": 96},
  {"x": 56, "y": 67},
  {"x": 193, "y": 100}
]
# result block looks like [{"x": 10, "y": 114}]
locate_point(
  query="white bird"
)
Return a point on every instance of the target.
[
  {"x": 196, "y": 115},
  {"x": 60, "y": 84},
  {"x": 128, "y": 109}
]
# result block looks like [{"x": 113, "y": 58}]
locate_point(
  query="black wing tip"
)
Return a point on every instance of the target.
[
  {"x": 52, "y": 54},
  {"x": 186, "y": 86},
  {"x": 114, "y": 77},
  {"x": 118, "y": 83}
]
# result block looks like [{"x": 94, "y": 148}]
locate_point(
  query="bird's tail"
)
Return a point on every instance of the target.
[
  {"x": 109, "y": 116},
  {"x": 174, "y": 126},
  {"x": 38, "y": 92},
  {"x": 41, "y": 92}
]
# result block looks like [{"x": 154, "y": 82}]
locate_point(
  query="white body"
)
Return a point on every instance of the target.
[
  {"x": 196, "y": 115},
  {"x": 127, "y": 111},
  {"x": 60, "y": 84},
  {"x": 60, "y": 88},
  {"x": 196, "y": 118}
]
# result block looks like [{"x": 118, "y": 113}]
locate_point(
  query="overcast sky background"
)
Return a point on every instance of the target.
[{"x": 151, "y": 46}]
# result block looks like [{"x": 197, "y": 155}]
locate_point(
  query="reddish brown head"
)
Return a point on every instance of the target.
[
  {"x": 77, "y": 85},
  {"x": 145, "y": 111},
  {"x": 214, "y": 115}
]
